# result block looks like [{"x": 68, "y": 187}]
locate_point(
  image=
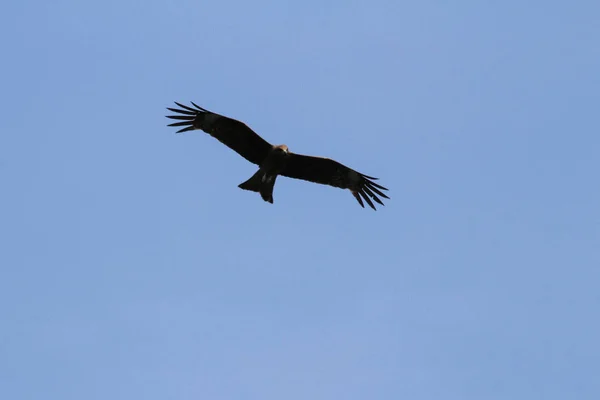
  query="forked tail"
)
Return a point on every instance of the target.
[{"x": 262, "y": 183}]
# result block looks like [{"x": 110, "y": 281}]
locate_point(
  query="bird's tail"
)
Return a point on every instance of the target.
[{"x": 262, "y": 183}]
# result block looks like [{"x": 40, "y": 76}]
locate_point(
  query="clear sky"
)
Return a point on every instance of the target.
[{"x": 133, "y": 267}]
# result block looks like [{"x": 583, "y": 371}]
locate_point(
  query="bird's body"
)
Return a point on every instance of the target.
[
  {"x": 263, "y": 180},
  {"x": 276, "y": 160}
]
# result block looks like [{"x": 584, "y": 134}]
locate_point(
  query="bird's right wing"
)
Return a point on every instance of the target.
[
  {"x": 233, "y": 133},
  {"x": 330, "y": 172}
]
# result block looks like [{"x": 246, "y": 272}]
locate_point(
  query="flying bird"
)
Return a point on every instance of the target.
[{"x": 275, "y": 160}]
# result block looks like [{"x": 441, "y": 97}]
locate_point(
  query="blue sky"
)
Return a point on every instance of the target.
[{"x": 134, "y": 268}]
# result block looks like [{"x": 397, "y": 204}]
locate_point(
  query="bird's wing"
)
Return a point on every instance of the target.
[
  {"x": 234, "y": 134},
  {"x": 329, "y": 172}
]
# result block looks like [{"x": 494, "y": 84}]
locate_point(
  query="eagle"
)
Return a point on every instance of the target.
[{"x": 275, "y": 160}]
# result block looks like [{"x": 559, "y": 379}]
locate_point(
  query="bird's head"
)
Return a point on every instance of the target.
[{"x": 282, "y": 148}]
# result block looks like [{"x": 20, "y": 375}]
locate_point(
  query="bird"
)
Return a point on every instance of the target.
[{"x": 275, "y": 160}]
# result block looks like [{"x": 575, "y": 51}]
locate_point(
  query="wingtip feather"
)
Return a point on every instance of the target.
[
  {"x": 186, "y": 107},
  {"x": 182, "y": 117},
  {"x": 357, "y": 197},
  {"x": 184, "y": 123},
  {"x": 189, "y": 128},
  {"x": 198, "y": 107},
  {"x": 372, "y": 195},
  {"x": 177, "y": 110},
  {"x": 367, "y": 199}
]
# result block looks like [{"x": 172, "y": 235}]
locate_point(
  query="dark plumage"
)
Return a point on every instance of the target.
[{"x": 275, "y": 160}]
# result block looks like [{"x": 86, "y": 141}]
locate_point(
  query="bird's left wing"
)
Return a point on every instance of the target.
[
  {"x": 329, "y": 172},
  {"x": 233, "y": 133}
]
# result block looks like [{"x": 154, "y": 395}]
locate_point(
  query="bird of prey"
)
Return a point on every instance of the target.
[{"x": 275, "y": 160}]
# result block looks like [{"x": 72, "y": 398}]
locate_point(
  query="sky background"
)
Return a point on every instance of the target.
[{"x": 133, "y": 267}]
